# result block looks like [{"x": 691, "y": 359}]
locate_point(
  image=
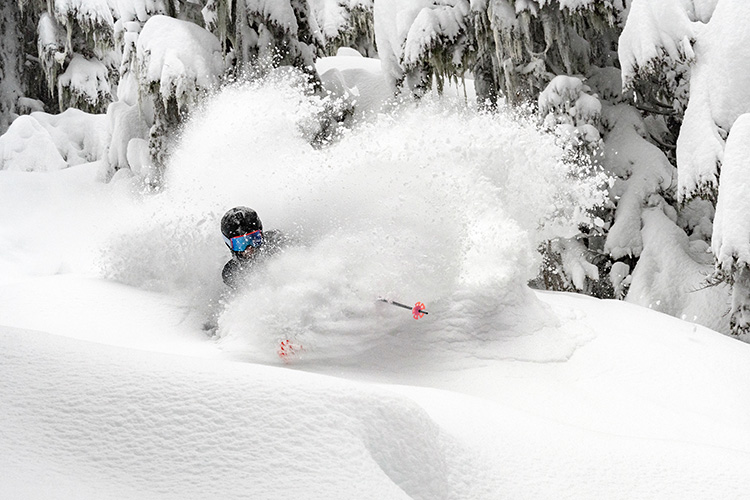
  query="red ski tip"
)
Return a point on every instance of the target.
[{"x": 288, "y": 350}]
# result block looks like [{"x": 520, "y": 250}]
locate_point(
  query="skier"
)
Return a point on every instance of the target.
[{"x": 249, "y": 243}]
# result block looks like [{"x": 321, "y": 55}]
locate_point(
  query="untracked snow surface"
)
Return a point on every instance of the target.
[{"x": 112, "y": 387}]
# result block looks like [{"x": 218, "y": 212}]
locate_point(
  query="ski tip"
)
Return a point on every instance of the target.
[{"x": 288, "y": 351}]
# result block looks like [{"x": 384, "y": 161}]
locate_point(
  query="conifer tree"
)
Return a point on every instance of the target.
[{"x": 11, "y": 63}]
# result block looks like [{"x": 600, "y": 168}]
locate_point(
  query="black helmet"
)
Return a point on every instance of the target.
[{"x": 240, "y": 220}]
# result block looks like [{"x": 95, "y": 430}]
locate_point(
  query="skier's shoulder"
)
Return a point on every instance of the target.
[{"x": 233, "y": 270}]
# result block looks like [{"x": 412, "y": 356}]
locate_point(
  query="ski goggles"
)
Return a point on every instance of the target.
[{"x": 240, "y": 243}]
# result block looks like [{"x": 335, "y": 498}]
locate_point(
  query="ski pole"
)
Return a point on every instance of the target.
[{"x": 417, "y": 311}]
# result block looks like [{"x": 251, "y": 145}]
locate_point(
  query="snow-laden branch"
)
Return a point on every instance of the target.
[
  {"x": 279, "y": 13},
  {"x": 642, "y": 171},
  {"x": 94, "y": 17},
  {"x": 722, "y": 54},
  {"x": 84, "y": 84},
  {"x": 659, "y": 35},
  {"x": 143, "y": 10},
  {"x": 177, "y": 59},
  {"x": 569, "y": 110},
  {"x": 731, "y": 236}
]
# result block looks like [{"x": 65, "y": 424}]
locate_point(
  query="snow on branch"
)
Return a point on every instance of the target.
[
  {"x": 333, "y": 17},
  {"x": 346, "y": 23},
  {"x": 569, "y": 110},
  {"x": 421, "y": 39},
  {"x": 177, "y": 59},
  {"x": 731, "y": 235},
  {"x": 657, "y": 36},
  {"x": 433, "y": 27},
  {"x": 700, "y": 147},
  {"x": 279, "y": 13},
  {"x": 94, "y": 17},
  {"x": 176, "y": 64},
  {"x": 143, "y": 10},
  {"x": 643, "y": 172},
  {"x": 84, "y": 85},
  {"x": 572, "y": 5},
  {"x": 722, "y": 55}
]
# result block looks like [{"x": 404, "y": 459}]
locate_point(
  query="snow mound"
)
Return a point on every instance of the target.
[
  {"x": 360, "y": 78},
  {"x": 251, "y": 431},
  {"x": 41, "y": 142}
]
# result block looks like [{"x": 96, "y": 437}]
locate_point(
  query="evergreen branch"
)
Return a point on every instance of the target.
[
  {"x": 663, "y": 144},
  {"x": 648, "y": 109}
]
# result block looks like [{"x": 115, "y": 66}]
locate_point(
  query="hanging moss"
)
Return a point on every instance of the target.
[
  {"x": 262, "y": 44},
  {"x": 222, "y": 25},
  {"x": 523, "y": 57}
]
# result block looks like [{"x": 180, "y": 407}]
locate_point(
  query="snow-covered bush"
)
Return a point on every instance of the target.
[
  {"x": 126, "y": 123},
  {"x": 571, "y": 112},
  {"x": 671, "y": 272},
  {"x": 28, "y": 147},
  {"x": 43, "y": 142}
]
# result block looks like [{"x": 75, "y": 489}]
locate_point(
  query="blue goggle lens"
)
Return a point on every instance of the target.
[{"x": 240, "y": 243}]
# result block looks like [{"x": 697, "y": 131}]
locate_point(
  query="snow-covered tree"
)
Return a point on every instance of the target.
[
  {"x": 175, "y": 62},
  {"x": 273, "y": 33},
  {"x": 527, "y": 42},
  {"x": 673, "y": 55},
  {"x": 76, "y": 51},
  {"x": 346, "y": 23},
  {"x": 421, "y": 41},
  {"x": 512, "y": 48},
  {"x": 656, "y": 49},
  {"x": 11, "y": 63},
  {"x": 731, "y": 235},
  {"x": 721, "y": 51}
]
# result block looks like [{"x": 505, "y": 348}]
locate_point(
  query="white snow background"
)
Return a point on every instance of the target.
[{"x": 111, "y": 388}]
